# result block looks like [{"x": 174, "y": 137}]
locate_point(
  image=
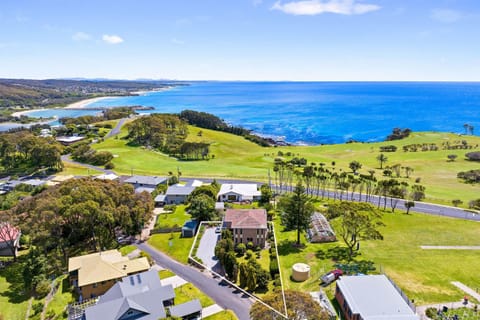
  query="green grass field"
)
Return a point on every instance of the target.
[
  {"x": 424, "y": 275},
  {"x": 173, "y": 245},
  {"x": 175, "y": 219},
  {"x": 13, "y": 300},
  {"x": 61, "y": 299},
  {"x": 236, "y": 157}
]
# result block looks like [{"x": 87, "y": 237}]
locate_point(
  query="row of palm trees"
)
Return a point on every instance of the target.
[{"x": 323, "y": 182}]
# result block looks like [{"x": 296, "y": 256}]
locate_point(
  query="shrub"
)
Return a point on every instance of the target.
[
  {"x": 109, "y": 166},
  {"x": 170, "y": 207},
  {"x": 37, "y": 308},
  {"x": 274, "y": 268},
  {"x": 431, "y": 312},
  {"x": 250, "y": 245},
  {"x": 241, "y": 248},
  {"x": 249, "y": 254},
  {"x": 43, "y": 288},
  {"x": 473, "y": 156},
  {"x": 262, "y": 279}
]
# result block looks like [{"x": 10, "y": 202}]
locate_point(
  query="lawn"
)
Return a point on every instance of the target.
[
  {"x": 238, "y": 158},
  {"x": 173, "y": 245},
  {"x": 189, "y": 292},
  {"x": 77, "y": 170},
  {"x": 61, "y": 299},
  {"x": 171, "y": 220},
  {"x": 163, "y": 274},
  {"x": 13, "y": 300},
  {"x": 127, "y": 249},
  {"x": 223, "y": 315},
  {"x": 424, "y": 275}
]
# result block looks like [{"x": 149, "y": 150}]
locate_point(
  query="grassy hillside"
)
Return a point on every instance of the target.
[
  {"x": 424, "y": 275},
  {"x": 236, "y": 157}
]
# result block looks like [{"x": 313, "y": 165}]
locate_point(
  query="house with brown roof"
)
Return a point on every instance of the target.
[
  {"x": 93, "y": 274},
  {"x": 247, "y": 225}
]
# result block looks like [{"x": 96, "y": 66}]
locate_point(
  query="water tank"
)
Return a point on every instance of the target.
[{"x": 300, "y": 272}]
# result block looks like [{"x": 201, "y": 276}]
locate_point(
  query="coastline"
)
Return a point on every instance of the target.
[{"x": 83, "y": 103}]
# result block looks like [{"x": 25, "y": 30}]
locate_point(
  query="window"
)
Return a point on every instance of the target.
[{"x": 95, "y": 285}]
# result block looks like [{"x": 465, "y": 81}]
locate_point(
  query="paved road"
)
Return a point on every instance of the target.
[
  {"x": 117, "y": 128},
  {"x": 224, "y": 296},
  {"x": 66, "y": 158}
]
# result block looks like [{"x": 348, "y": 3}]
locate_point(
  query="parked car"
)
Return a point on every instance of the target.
[
  {"x": 218, "y": 229},
  {"x": 331, "y": 276}
]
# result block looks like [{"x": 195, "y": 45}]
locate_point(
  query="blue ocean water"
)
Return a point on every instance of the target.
[{"x": 319, "y": 112}]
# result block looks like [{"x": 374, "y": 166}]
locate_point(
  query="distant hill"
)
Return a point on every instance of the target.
[{"x": 25, "y": 93}]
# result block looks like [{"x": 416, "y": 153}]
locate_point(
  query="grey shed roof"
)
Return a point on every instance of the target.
[
  {"x": 151, "y": 180},
  {"x": 185, "y": 309},
  {"x": 374, "y": 297},
  {"x": 179, "y": 190}
]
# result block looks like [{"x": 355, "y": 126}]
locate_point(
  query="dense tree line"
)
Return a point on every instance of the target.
[
  {"x": 398, "y": 134},
  {"x": 23, "y": 153},
  {"x": 212, "y": 122},
  {"x": 165, "y": 132},
  {"x": 84, "y": 153},
  {"x": 80, "y": 215},
  {"x": 471, "y": 176}
]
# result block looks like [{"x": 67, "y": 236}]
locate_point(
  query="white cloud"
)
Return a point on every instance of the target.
[
  {"x": 445, "y": 15},
  {"x": 112, "y": 39},
  {"x": 81, "y": 36},
  {"x": 177, "y": 41},
  {"x": 314, "y": 7}
]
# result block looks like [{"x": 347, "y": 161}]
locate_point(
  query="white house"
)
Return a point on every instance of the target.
[{"x": 239, "y": 192}]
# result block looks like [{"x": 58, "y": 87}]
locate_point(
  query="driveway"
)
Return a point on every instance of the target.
[{"x": 206, "y": 250}]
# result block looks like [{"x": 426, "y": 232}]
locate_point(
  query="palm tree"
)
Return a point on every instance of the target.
[{"x": 382, "y": 159}]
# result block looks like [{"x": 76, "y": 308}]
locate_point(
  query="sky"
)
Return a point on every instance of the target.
[{"x": 278, "y": 40}]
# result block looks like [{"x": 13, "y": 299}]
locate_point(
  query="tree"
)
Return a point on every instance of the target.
[
  {"x": 209, "y": 190},
  {"x": 382, "y": 159},
  {"x": 452, "y": 157},
  {"x": 355, "y": 166},
  {"x": 408, "y": 205},
  {"x": 456, "y": 202},
  {"x": 266, "y": 194},
  {"x": 297, "y": 210},
  {"x": 202, "y": 207},
  {"x": 358, "y": 221},
  {"x": 418, "y": 192},
  {"x": 408, "y": 171},
  {"x": 300, "y": 306},
  {"x": 34, "y": 269}
]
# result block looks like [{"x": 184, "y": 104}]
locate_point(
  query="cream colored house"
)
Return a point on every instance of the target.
[{"x": 93, "y": 274}]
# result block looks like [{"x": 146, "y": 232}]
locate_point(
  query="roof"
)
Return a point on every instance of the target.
[
  {"x": 160, "y": 198},
  {"x": 8, "y": 233},
  {"x": 375, "y": 298},
  {"x": 110, "y": 176},
  {"x": 246, "y": 218},
  {"x": 70, "y": 139},
  {"x": 186, "y": 308},
  {"x": 151, "y": 180},
  {"x": 249, "y": 189},
  {"x": 142, "y": 294},
  {"x": 141, "y": 189},
  {"x": 133, "y": 284},
  {"x": 190, "y": 225},
  {"x": 106, "y": 265},
  {"x": 179, "y": 190}
]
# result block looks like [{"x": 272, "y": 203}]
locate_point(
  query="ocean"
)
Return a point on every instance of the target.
[{"x": 318, "y": 112}]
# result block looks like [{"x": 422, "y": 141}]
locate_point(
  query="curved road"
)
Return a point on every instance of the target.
[{"x": 222, "y": 294}]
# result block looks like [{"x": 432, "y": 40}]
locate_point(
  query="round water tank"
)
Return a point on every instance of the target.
[{"x": 300, "y": 271}]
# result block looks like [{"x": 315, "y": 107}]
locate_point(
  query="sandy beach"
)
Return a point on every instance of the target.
[{"x": 84, "y": 103}]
